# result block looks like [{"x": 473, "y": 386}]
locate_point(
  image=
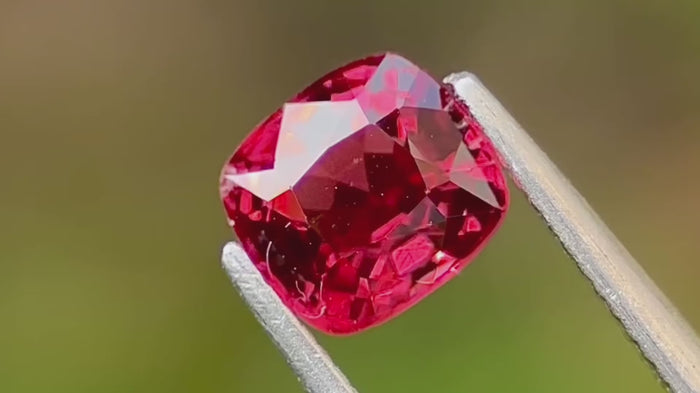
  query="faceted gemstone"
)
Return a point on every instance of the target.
[{"x": 364, "y": 193}]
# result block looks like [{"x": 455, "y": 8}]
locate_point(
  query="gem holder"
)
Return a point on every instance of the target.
[{"x": 658, "y": 329}]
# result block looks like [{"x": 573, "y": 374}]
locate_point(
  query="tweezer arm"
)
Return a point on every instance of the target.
[
  {"x": 307, "y": 359},
  {"x": 661, "y": 333}
]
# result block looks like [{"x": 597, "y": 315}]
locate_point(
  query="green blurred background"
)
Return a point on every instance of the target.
[{"x": 115, "y": 117}]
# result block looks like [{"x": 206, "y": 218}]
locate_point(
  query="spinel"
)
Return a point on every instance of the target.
[{"x": 364, "y": 193}]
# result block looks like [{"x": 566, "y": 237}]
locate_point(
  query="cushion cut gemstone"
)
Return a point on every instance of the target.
[{"x": 364, "y": 193}]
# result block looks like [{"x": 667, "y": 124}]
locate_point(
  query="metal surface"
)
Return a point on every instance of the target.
[
  {"x": 309, "y": 361},
  {"x": 661, "y": 333}
]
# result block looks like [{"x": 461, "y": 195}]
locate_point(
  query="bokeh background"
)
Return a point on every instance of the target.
[{"x": 116, "y": 115}]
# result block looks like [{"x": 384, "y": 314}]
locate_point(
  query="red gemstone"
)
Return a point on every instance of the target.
[{"x": 364, "y": 193}]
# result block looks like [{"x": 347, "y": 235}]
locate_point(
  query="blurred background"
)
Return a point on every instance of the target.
[{"x": 116, "y": 116}]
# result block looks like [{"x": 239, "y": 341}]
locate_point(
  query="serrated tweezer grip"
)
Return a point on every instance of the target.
[{"x": 661, "y": 333}]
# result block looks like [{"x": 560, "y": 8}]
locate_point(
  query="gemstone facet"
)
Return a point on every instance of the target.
[{"x": 364, "y": 193}]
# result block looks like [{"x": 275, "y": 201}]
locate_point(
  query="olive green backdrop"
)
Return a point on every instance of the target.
[{"x": 115, "y": 117}]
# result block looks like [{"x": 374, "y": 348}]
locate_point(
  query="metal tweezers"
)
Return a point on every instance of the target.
[{"x": 658, "y": 329}]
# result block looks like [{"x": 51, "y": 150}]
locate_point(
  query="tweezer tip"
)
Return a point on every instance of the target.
[
  {"x": 462, "y": 76},
  {"x": 229, "y": 250}
]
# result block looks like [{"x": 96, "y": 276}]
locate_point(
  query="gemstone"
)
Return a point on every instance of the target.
[{"x": 363, "y": 194}]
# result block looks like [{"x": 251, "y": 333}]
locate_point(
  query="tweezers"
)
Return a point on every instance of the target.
[{"x": 653, "y": 323}]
